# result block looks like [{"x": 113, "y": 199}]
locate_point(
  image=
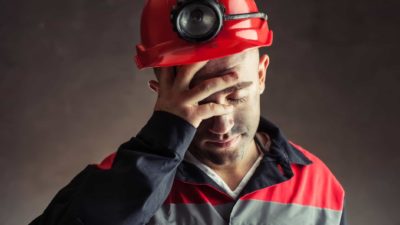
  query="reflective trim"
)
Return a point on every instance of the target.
[
  {"x": 245, "y": 213},
  {"x": 271, "y": 213},
  {"x": 190, "y": 214}
]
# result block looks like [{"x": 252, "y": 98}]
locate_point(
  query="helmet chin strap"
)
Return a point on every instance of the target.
[{"x": 260, "y": 15}]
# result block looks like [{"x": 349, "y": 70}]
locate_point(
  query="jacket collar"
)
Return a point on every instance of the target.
[
  {"x": 281, "y": 144},
  {"x": 280, "y": 151}
]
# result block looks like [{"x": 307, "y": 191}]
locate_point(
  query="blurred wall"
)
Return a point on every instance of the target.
[{"x": 70, "y": 94}]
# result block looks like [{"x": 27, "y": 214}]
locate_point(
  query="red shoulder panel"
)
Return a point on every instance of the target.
[{"x": 312, "y": 185}]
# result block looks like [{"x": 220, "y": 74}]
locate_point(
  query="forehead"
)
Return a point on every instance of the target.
[
  {"x": 222, "y": 63},
  {"x": 222, "y": 66}
]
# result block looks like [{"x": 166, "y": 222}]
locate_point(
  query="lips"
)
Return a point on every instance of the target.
[{"x": 226, "y": 143}]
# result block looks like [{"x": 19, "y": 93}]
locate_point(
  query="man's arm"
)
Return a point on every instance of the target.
[
  {"x": 134, "y": 187},
  {"x": 142, "y": 173}
]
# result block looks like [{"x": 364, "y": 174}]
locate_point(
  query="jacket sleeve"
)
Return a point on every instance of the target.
[
  {"x": 138, "y": 182},
  {"x": 343, "y": 219}
]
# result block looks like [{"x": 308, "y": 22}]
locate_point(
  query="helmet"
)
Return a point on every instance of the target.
[{"x": 179, "y": 32}]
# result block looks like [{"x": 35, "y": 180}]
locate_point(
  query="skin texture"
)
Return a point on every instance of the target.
[{"x": 224, "y": 105}]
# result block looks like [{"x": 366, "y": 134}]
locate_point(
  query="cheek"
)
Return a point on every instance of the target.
[
  {"x": 252, "y": 105},
  {"x": 248, "y": 114},
  {"x": 246, "y": 119}
]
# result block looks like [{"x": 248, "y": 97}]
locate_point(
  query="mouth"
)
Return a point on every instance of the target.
[{"x": 226, "y": 143}]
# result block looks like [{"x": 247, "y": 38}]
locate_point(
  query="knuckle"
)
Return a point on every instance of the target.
[
  {"x": 230, "y": 77},
  {"x": 186, "y": 112},
  {"x": 212, "y": 106},
  {"x": 207, "y": 86},
  {"x": 226, "y": 78}
]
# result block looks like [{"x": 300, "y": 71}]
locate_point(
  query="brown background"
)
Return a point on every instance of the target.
[{"x": 70, "y": 94}]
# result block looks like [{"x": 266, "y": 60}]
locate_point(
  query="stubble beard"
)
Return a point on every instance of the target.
[{"x": 223, "y": 156}]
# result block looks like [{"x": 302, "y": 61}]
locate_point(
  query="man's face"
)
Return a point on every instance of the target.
[{"x": 224, "y": 139}]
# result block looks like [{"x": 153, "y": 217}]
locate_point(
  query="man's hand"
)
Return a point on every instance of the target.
[{"x": 176, "y": 97}]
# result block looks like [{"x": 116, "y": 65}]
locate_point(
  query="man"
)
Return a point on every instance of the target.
[{"x": 205, "y": 156}]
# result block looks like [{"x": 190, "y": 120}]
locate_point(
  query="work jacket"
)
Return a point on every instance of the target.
[{"x": 147, "y": 182}]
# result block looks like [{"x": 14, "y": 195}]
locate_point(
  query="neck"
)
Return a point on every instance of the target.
[{"x": 233, "y": 171}]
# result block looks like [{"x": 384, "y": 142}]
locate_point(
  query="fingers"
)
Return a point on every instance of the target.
[
  {"x": 175, "y": 95},
  {"x": 211, "y": 109},
  {"x": 211, "y": 86},
  {"x": 166, "y": 77},
  {"x": 186, "y": 73}
]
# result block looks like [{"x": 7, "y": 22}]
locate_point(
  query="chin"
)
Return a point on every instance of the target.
[{"x": 222, "y": 153}]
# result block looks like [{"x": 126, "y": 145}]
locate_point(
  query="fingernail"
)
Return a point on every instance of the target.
[{"x": 235, "y": 75}]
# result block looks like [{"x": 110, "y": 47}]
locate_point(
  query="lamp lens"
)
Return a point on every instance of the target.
[{"x": 197, "y": 20}]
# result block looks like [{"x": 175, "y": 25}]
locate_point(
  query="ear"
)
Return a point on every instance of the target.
[
  {"x": 262, "y": 72},
  {"x": 154, "y": 85}
]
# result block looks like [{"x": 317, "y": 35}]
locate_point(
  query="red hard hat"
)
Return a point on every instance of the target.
[{"x": 162, "y": 46}]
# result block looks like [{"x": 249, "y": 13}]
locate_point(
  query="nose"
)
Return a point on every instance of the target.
[{"x": 221, "y": 124}]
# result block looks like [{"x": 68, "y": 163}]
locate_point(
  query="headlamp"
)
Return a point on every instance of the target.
[{"x": 202, "y": 20}]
